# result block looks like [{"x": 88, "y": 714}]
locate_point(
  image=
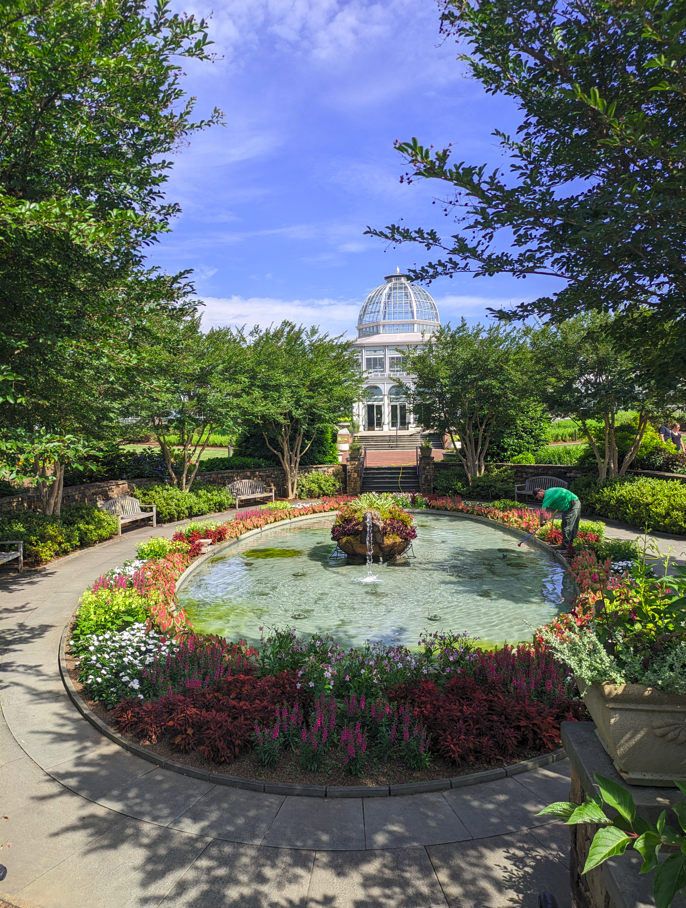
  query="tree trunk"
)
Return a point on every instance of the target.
[
  {"x": 290, "y": 458},
  {"x": 60, "y": 489},
  {"x": 629, "y": 457}
]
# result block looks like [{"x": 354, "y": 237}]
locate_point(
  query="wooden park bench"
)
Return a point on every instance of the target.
[
  {"x": 249, "y": 488},
  {"x": 529, "y": 488},
  {"x": 127, "y": 509},
  {"x": 17, "y": 553}
]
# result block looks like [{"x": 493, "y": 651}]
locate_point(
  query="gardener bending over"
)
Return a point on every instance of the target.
[{"x": 568, "y": 504}]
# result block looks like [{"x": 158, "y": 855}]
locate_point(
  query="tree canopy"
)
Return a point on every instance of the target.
[
  {"x": 91, "y": 105},
  {"x": 299, "y": 381},
  {"x": 466, "y": 381},
  {"x": 595, "y": 193}
]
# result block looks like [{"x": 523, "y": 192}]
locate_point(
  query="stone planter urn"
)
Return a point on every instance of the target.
[{"x": 643, "y": 729}]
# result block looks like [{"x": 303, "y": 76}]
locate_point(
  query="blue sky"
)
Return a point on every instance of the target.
[{"x": 275, "y": 203}]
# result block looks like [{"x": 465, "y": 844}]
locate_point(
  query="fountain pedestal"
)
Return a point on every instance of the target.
[{"x": 357, "y": 548}]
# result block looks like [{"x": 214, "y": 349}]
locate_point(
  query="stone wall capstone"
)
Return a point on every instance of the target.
[{"x": 92, "y": 493}]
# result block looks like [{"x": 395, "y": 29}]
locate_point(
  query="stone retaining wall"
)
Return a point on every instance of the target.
[{"x": 91, "y": 493}]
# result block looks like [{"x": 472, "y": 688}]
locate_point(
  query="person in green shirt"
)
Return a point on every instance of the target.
[{"x": 568, "y": 504}]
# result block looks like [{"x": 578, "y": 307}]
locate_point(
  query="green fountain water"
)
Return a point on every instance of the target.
[{"x": 464, "y": 577}]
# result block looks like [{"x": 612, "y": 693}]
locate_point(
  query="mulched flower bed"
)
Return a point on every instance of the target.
[{"x": 306, "y": 710}]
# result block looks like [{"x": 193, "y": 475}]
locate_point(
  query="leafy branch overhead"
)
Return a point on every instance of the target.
[
  {"x": 626, "y": 828},
  {"x": 595, "y": 191}
]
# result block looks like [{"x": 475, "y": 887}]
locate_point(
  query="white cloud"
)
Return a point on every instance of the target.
[{"x": 333, "y": 316}]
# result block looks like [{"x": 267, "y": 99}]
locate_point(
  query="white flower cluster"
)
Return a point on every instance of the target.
[
  {"x": 618, "y": 567},
  {"x": 129, "y": 568},
  {"x": 111, "y": 665}
]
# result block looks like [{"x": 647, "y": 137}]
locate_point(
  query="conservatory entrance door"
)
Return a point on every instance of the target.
[
  {"x": 398, "y": 416},
  {"x": 374, "y": 416}
]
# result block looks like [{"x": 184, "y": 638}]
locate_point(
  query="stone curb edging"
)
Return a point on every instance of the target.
[{"x": 285, "y": 788}]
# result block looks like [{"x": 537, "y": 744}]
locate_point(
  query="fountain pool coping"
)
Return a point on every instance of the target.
[{"x": 285, "y": 788}]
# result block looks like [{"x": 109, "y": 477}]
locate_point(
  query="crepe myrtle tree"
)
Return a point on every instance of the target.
[
  {"x": 189, "y": 384},
  {"x": 467, "y": 380},
  {"x": 40, "y": 457},
  {"x": 593, "y": 191},
  {"x": 91, "y": 107},
  {"x": 300, "y": 380},
  {"x": 587, "y": 374}
]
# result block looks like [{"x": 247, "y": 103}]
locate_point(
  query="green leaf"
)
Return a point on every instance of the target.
[
  {"x": 680, "y": 811},
  {"x": 670, "y": 877},
  {"x": 589, "y": 812},
  {"x": 681, "y": 786},
  {"x": 648, "y": 846},
  {"x": 616, "y": 796},
  {"x": 606, "y": 843},
  {"x": 562, "y": 809}
]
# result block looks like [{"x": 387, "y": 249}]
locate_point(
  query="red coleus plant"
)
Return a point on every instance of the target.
[
  {"x": 472, "y": 722},
  {"x": 217, "y": 722}
]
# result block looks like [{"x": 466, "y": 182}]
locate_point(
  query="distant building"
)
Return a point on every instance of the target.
[{"x": 393, "y": 317}]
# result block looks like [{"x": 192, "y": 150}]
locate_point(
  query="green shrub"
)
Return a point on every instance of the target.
[
  {"x": 7, "y": 490},
  {"x": 158, "y": 548},
  {"x": 494, "y": 484},
  {"x": 507, "y": 504},
  {"x": 644, "y": 502},
  {"x": 109, "y": 610},
  {"x": 173, "y": 504},
  {"x": 563, "y": 430},
  {"x": 524, "y": 458},
  {"x": 314, "y": 485},
  {"x": 276, "y": 506},
  {"x": 322, "y": 450},
  {"x": 562, "y": 455},
  {"x": 524, "y": 434},
  {"x": 237, "y": 462},
  {"x": 91, "y": 522},
  {"x": 46, "y": 537}
]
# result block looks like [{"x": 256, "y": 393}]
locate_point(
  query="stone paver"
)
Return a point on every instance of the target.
[
  {"x": 91, "y": 825},
  {"x": 395, "y": 878},
  {"x": 158, "y": 796},
  {"x": 424, "y": 819},
  {"x": 499, "y": 873},
  {"x": 230, "y": 814},
  {"x": 129, "y": 864},
  {"x": 228, "y": 875},
  {"x": 318, "y": 823},
  {"x": 496, "y": 807}
]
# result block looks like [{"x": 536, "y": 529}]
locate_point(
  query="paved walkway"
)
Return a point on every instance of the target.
[{"x": 87, "y": 825}]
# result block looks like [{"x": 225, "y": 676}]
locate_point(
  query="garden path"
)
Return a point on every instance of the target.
[{"x": 88, "y": 825}]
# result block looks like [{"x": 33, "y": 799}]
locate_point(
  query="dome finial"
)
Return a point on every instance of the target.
[{"x": 397, "y": 270}]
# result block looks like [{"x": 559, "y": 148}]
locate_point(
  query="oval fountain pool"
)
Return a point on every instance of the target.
[{"x": 464, "y": 577}]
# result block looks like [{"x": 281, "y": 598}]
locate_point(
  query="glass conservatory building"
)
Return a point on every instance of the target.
[{"x": 393, "y": 317}]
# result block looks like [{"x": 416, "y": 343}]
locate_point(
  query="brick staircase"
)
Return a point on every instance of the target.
[{"x": 390, "y": 479}]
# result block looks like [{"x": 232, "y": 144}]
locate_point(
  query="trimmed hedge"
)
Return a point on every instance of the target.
[
  {"x": 644, "y": 502},
  {"x": 314, "y": 485},
  {"x": 173, "y": 504},
  {"x": 237, "y": 462},
  {"x": 46, "y": 538},
  {"x": 495, "y": 483}
]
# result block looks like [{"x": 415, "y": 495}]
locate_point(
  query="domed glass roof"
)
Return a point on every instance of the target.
[{"x": 398, "y": 306}]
